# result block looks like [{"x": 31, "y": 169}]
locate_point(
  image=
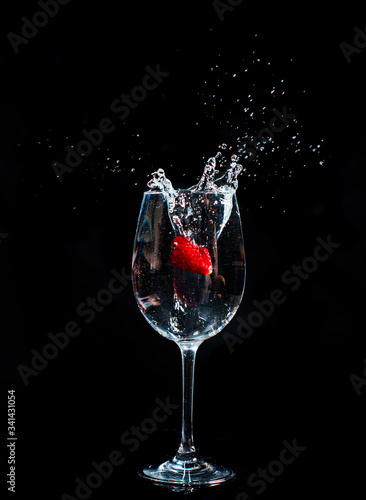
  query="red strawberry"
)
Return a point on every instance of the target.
[{"x": 190, "y": 257}]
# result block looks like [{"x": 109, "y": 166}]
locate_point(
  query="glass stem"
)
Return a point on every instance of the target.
[{"x": 186, "y": 449}]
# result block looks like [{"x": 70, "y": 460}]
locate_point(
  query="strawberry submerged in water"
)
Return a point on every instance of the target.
[
  {"x": 188, "y": 287},
  {"x": 190, "y": 257}
]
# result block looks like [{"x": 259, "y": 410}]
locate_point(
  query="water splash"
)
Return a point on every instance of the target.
[
  {"x": 206, "y": 183},
  {"x": 259, "y": 87},
  {"x": 185, "y": 210},
  {"x": 160, "y": 182},
  {"x": 224, "y": 183}
]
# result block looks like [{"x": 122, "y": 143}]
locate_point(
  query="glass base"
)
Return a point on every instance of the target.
[{"x": 188, "y": 473}]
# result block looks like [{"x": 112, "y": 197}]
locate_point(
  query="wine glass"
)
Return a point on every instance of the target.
[{"x": 188, "y": 307}]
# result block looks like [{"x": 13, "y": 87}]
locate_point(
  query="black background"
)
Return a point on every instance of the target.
[{"x": 290, "y": 378}]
